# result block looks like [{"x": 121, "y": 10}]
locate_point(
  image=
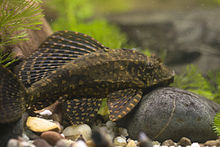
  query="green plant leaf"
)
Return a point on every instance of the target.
[
  {"x": 15, "y": 17},
  {"x": 216, "y": 124}
]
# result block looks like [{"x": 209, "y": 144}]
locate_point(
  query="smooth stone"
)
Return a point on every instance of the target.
[
  {"x": 41, "y": 143},
  {"x": 41, "y": 125},
  {"x": 195, "y": 144},
  {"x": 183, "y": 142},
  {"x": 212, "y": 143},
  {"x": 168, "y": 142},
  {"x": 123, "y": 132},
  {"x": 13, "y": 143},
  {"x": 91, "y": 143},
  {"x": 64, "y": 143},
  {"x": 120, "y": 141},
  {"x": 79, "y": 144},
  {"x": 51, "y": 137},
  {"x": 19, "y": 143},
  {"x": 131, "y": 143},
  {"x": 171, "y": 113},
  {"x": 73, "y": 132},
  {"x": 46, "y": 113}
]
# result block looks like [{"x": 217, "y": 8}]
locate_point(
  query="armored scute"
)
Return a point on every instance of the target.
[{"x": 78, "y": 71}]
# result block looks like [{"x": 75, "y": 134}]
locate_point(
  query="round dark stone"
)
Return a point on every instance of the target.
[{"x": 172, "y": 113}]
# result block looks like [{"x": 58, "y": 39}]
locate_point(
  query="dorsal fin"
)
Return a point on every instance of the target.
[
  {"x": 58, "y": 49},
  {"x": 121, "y": 102}
]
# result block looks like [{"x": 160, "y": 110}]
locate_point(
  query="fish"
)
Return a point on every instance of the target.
[{"x": 80, "y": 72}]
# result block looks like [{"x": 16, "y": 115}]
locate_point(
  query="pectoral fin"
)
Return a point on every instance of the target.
[
  {"x": 123, "y": 101},
  {"x": 81, "y": 110}
]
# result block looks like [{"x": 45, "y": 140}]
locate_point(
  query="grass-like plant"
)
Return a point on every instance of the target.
[
  {"x": 78, "y": 15},
  {"x": 216, "y": 124},
  {"x": 192, "y": 80},
  {"x": 15, "y": 17}
]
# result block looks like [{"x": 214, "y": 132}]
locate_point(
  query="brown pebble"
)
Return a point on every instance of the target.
[
  {"x": 51, "y": 137},
  {"x": 90, "y": 143},
  {"x": 201, "y": 145},
  {"x": 212, "y": 143},
  {"x": 183, "y": 142},
  {"x": 168, "y": 142},
  {"x": 41, "y": 143}
]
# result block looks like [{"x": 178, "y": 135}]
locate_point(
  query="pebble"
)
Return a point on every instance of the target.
[
  {"x": 131, "y": 143},
  {"x": 110, "y": 132},
  {"x": 46, "y": 113},
  {"x": 123, "y": 132},
  {"x": 120, "y": 141},
  {"x": 90, "y": 143},
  {"x": 195, "y": 144},
  {"x": 41, "y": 125},
  {"x": 212, "y": 143},
  {"x": 168, "y": 142},
  {"x": 183, "y": 142},
  {"x": 155, "y": 143},
  {"x": 51, "y": 137},
  {"x": 64, "y": 143},
  {"x": 73, "y": 132},
  {"x": 41, "y": 143},
  {"x": 13, "y": 143},
  {"x": 79, "y": 144},
  {"x": 19, "y": 143},
  {"x": 163, "y": 114}
]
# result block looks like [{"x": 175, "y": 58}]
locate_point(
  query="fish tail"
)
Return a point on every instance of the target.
[{"x": 12, "y": 96}]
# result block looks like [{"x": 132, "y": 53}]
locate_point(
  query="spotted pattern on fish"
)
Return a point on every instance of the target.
[
  {"x": 79, "y": 72},
  {"x": 60, "y": 48}
]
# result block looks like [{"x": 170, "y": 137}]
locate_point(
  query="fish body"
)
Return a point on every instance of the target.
[
  {"x": 120, "y": 75},
  {"x": 100, "y": 73}
]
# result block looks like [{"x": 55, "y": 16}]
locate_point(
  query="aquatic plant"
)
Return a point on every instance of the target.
[
  {"x": 192, "y": 80},
  {"x": 15, "y": 17},
  {"x": 216, "y": 124},
  {"x": 78, "y": 16}
]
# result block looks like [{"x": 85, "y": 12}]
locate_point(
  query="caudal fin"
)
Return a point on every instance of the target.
[{"x": 12, "y": 102}]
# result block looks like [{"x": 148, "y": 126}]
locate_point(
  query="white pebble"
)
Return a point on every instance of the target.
[
  {"x": 83, "y": 130},
  {"x": 26, "y": 144},
  {"x": 46, "y": 113},
  {"x": 80, "y": 143},
  {"x": 195, "y": 144},
  {"x": 62, "y": 135}
]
